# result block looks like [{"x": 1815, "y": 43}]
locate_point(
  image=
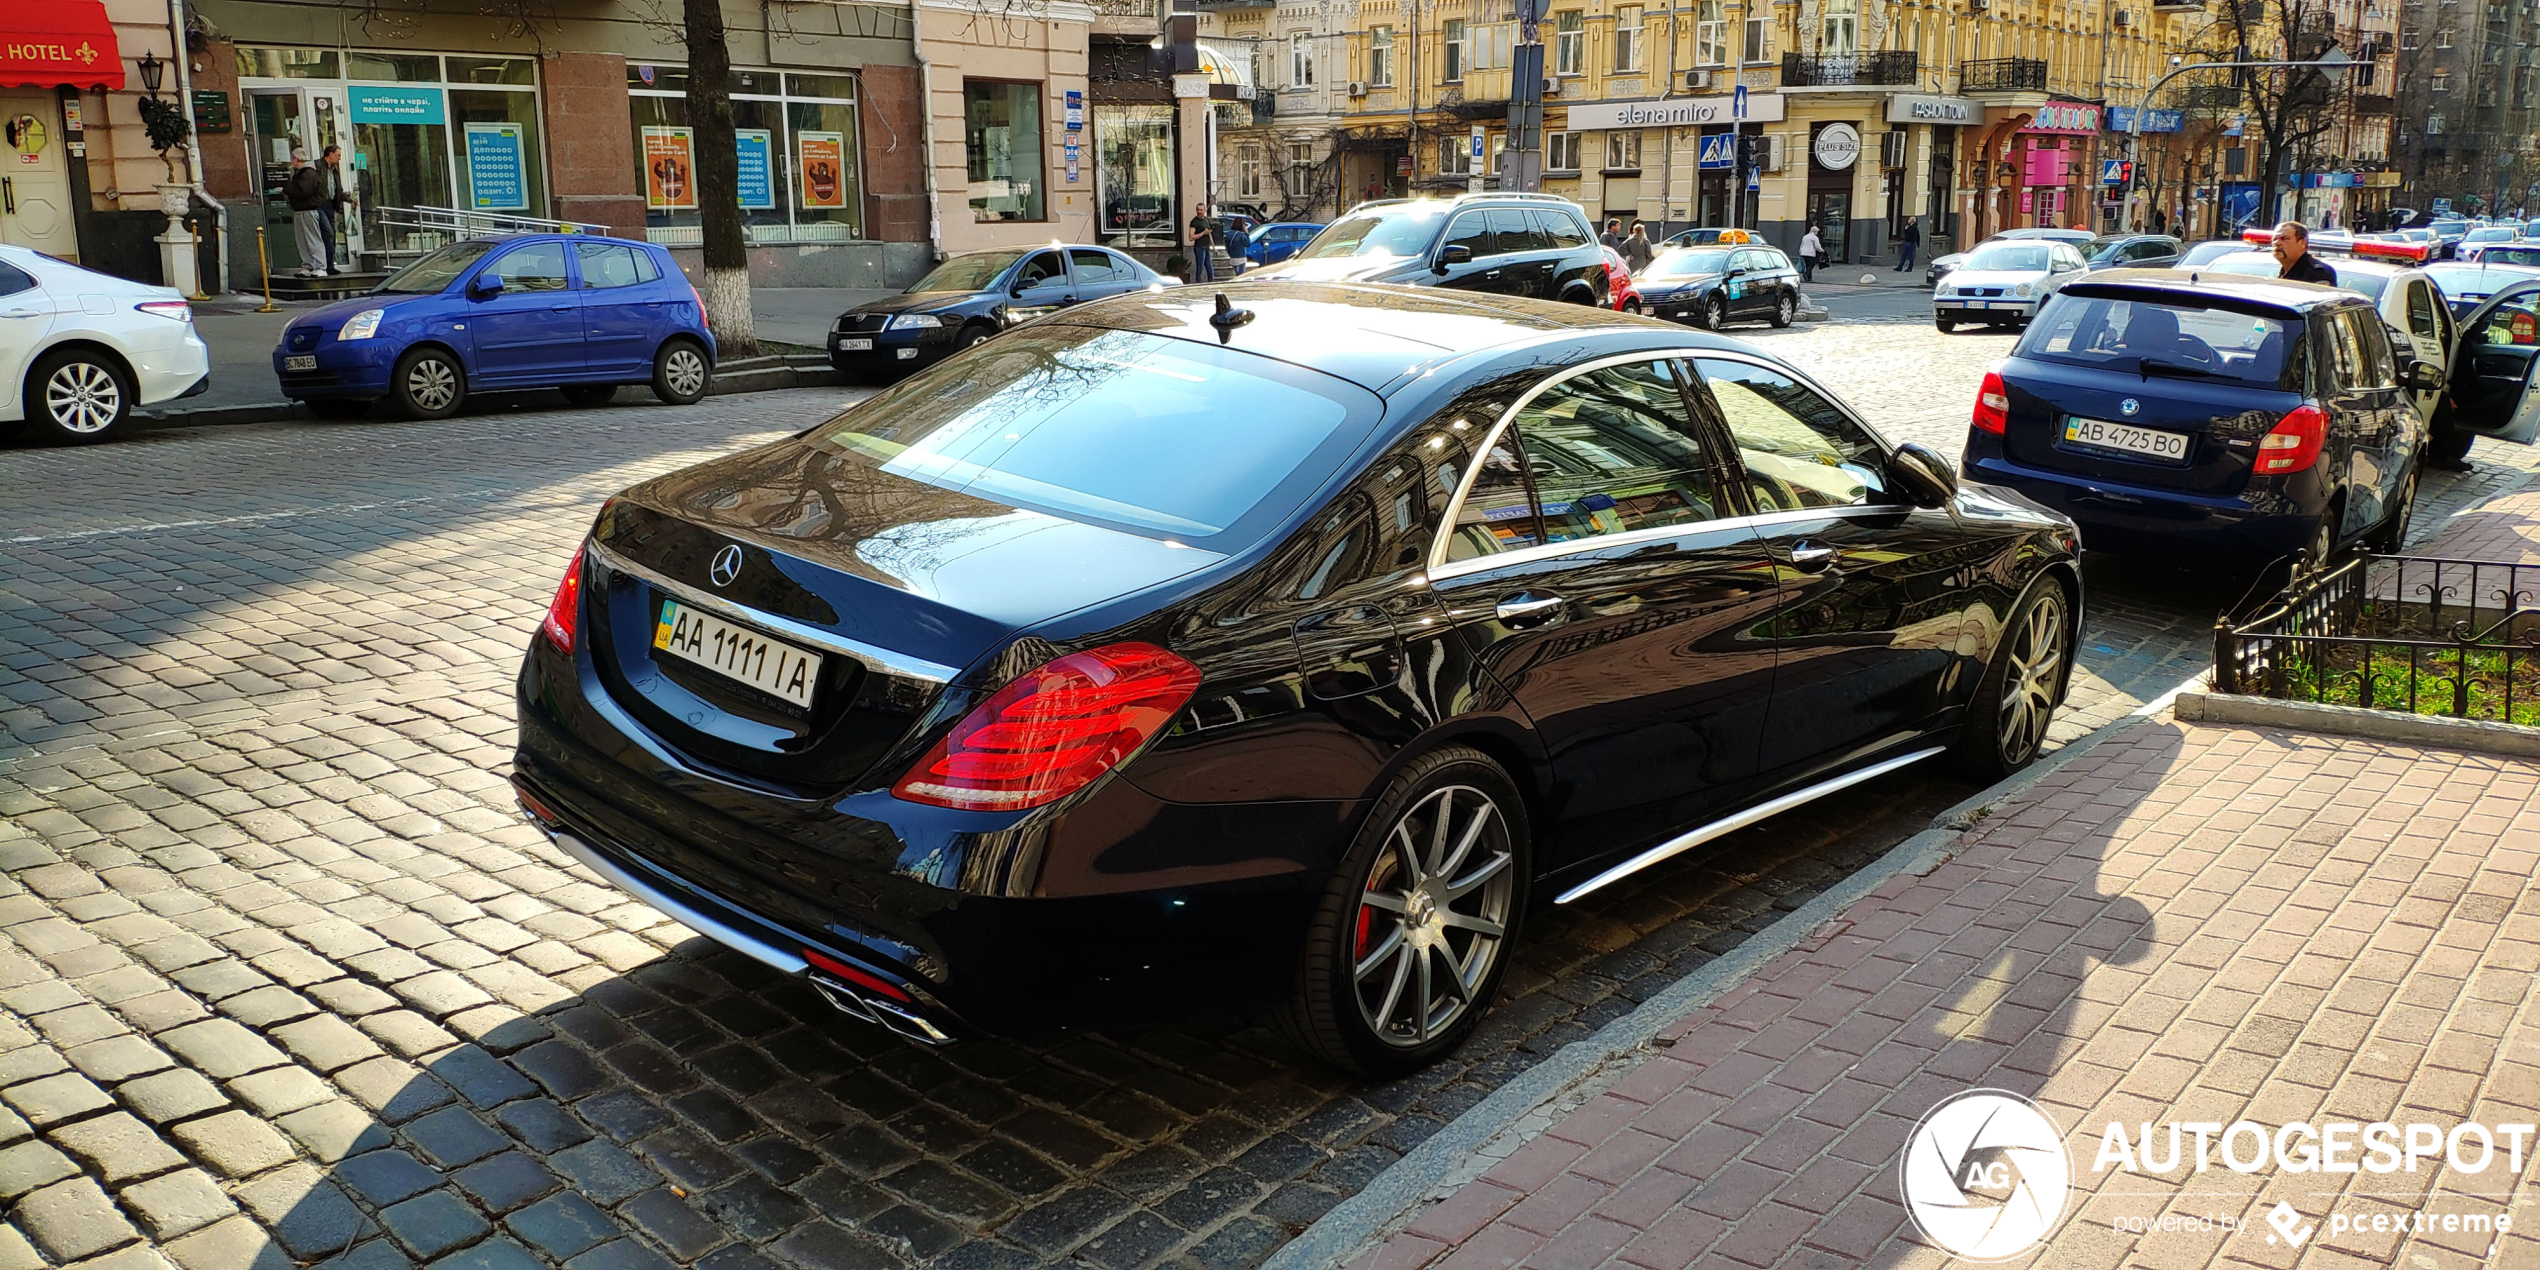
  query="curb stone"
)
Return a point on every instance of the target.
[
  {"x": 753, "y": 374},
  {"x": 2437, "y": 731},
  {"x": 1538, "y": 1098}
]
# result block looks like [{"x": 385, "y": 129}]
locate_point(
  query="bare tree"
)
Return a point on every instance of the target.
[
  {"x": 725, "y": 284},
  {"x": 2293, "y": 109}
]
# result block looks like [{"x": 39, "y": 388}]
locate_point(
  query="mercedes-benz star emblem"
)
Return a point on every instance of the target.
[
  {"x": 2129, "y": 406},
  {"x": 726, "y": 566}
]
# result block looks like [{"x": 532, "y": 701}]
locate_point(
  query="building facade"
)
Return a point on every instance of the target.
[{"x": 2466, "y": 73}]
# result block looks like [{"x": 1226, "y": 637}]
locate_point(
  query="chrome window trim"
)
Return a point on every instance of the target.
[
  {"x": 874, "y": 658},
  {"x": 1442, "y": 568}
]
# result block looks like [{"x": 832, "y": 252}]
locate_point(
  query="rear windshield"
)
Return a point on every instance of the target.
[
  {"x": 2008, "y": 257},
  {"x": 1405, "y": 231},
  {"x": 1156, "y": 436},
  {"x": 2172, "y": 340}
]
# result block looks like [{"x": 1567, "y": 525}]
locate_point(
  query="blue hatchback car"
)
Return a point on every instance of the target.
[
  {"x": 571, "y": 311},
  {"x": 1279, "y": 240}
]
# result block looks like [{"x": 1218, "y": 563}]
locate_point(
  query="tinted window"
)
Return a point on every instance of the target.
[
  {"x": 536, "y": 267},
  {"x": 1496, "y": 515},
  {"x": 435, "y": 272},
  {"x": 2165, "y": 339},
  {"x": 1514, "y": 232},
  {"x": 13, "y": 279},
  {"x": 2421, "y": 319},
  {"x": 1156, "y": 436},
  {"x": 608, "y": 265},
  {"x": 1612, "y": 451},
  {"x": 1092, "y": 267},
  {"x": 975, "y": 272},
  {"x": 1561, "y": 228},
  {"x": 1777, "y": 259},
  {"x": 1043, "y": 269},
  {"x": 1798, "y": 449},
  {"x": 1470, "y": 231}
]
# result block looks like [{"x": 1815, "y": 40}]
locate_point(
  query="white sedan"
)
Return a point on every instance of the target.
[
  {"x": 2003, "y": 282},
  {"x": 79, "y": 349}
]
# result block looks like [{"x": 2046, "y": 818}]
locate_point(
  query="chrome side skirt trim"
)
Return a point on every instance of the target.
[
  {"x": 874, "y": 658},
  {"x": 1718, "y": 828},
  {"x": 755, "y": 949}
]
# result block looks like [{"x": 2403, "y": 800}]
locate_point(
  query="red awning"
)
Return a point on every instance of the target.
[{"x": 59, "y": 44}]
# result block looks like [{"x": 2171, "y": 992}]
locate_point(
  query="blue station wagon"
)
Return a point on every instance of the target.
[{"x": 570, "y": 311}]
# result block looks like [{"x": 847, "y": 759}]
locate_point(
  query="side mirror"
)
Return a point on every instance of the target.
[
  {"x": 2424, "y": 377},
  {"x": 1457, "y": 254},
  {"x": 1925, "y": 475},
  {"x": 485, "y": 285},
  {"x": 1735, "y": 271}
]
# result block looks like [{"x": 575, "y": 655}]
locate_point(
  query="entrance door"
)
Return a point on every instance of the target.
[
  {"x": 35, "y": 184},
  {"x": 1831, "y": 213},
  {"x": 310, "y": 118}
]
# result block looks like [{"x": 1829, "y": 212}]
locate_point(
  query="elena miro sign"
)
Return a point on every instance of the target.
[
  {"x": 1677, "y": 112},
  {"x": 1917, "y": 108}
]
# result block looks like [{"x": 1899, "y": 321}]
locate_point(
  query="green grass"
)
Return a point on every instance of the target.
[{"x": 2333, "y": 676}]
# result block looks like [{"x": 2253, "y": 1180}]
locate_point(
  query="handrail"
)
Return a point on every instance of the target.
[{"x": 467, "y": 223}]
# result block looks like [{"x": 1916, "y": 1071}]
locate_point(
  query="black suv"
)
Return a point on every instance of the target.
[{"x": 1515, "y": 244}]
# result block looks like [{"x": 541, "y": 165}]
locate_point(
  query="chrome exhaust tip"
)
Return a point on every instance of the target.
[{"x": 854, "y": 1001}]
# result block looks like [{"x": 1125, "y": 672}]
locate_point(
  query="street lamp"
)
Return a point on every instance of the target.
[
  {"x": 2334, "y": 59},
  {"x": 151, "y": 69}
]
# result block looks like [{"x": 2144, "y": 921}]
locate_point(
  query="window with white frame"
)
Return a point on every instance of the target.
[
  {"x": 1841, "y": 30},
  {"x": 2408, "y": 38},
  {"x": 1380, "y": 57},
  {"x": 2440, "y": 81},
  {"x": 1248, "y": 172},
  {"x": 1300, "y": 168},
  {"x": 1454, "y": 60},
  {"x": 1498, "y": 153},
  {"x": 1455, "y": 156},
  {"x": 1627, "y": 37},
  {"x": 1492, "y": 45},
  {"x": 1622, "y": 151},
  {"x": 1759, "y": 41},
  {"x": 2443, "y": 37},
  {"x": 1300, "y": 60},
  {"x": 1569, "y": 42},
  {"x": 1561, "y": 151},
  {"x": 1711, "y": 34}
]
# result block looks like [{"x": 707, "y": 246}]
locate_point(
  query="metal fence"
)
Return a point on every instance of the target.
[
  {"x": 2413, "y": 633},
  {"x": 1800, "y": 70}
]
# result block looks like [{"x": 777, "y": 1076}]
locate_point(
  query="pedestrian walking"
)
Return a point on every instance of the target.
[
  {"x": 305, "y": 191},
  {"x": 1636, "y": 249},
  {"x": 1203, "y": 239},
  {"x": 338, "y": 201},
  {"x": 1810, "y": 247},
  {"x": 1907, "y": 242},
  {"x": 1613, "y": 235},
  {"x": 2160, "y": 220}
]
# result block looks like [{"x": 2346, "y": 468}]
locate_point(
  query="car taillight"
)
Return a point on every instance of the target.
[
  {"x": 564, "y": 612},
  {"x": 2294, "y": 443},
  {"x": 1993, "y": 405},
  {"x": 701, "y": 301},
  {"x": 174, "y": 310},
  {"x": 1053, "y": 730}
]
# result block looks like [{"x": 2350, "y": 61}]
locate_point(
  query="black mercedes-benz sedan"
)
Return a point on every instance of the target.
[
  {"x": 972, "y": 296},
  {"x": 1278, "y": 646}
]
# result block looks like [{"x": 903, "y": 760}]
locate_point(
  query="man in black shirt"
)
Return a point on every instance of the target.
[{"x": 2293, "y": 251}]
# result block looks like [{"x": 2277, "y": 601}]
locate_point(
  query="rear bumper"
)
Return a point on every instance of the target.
[{"x": 2127, "y": 518}]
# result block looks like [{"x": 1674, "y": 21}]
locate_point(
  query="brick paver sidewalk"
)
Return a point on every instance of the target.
[
  {"x": 2506, "y": 528},
  {"x": 2187, "y": 924}
]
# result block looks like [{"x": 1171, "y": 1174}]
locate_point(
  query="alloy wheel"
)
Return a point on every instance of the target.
[
  {"x": 83, "y": 398},
  {"x": 1715, "y": 314},
  {"x": 1434, "y": 916},
  {"x": 686, "y": 370},
  {"x": 432, "y": 384},
  {"x": 1789, "y": 310},
  {"x": 2028, "y": 684}
]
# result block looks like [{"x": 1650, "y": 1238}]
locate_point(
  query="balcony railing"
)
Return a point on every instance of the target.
[
  {"x": 1880, "y": 68},
  {"x": 2002, "y": 75}
]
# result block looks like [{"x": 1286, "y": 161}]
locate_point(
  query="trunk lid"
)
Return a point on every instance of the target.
[{"x": 2223, "y": 422}]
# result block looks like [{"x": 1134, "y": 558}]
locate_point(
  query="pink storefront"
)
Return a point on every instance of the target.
[{"x": 2056, "y": 156}]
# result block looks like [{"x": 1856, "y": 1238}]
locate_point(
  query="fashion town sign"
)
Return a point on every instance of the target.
[{"x": 1678, "y": 112}]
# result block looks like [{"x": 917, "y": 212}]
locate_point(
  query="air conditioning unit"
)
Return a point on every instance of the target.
[
  {"x": 2125, "y": 17},
  {"x": 1358, "y": 88},
  {"x": 1552, "y": 88},
  {"x": 1772, "y": 152},
  {"x": 1697, "y": 80},
  {"x": 1976, "y": 6}
]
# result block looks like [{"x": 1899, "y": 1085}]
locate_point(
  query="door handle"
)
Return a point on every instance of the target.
[
  {"x": 21, "y": 313},
  {"x": 1525, "y": 608},
  {"x": 8, "y": 195},
  {"x": 560, "y": 308},
  {"x": 1809, "y": 557}
]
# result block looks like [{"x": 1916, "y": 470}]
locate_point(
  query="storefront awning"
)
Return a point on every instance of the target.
[
  {"x": 60, "y": 44},
  {"x": 1223, "y": 67}
]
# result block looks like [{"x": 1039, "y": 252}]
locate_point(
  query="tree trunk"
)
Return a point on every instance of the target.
[{"x": 725, "y": 280}]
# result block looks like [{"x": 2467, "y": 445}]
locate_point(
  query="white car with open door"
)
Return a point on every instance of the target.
[
  {"x": 2491, "y": 392},
  {"x": 79, "y": 349}
]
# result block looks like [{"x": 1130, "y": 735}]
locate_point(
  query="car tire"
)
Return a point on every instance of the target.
[
  {"x": 1632, "y": 307},
  {"x": 1378, "y": 939},
  {"x": 1785, "y": 312},
  {"x": 972, "y": 335},
  {"x": 75, "y": 396},
  {"x": 2391, "y": 536},
  {"x": 2319, "y": 553},
  {"x": 2015, "y": 702},
  {"x": 589, "y": 394},
  {"x": 338, "y": 407},
  {"x": 1715, "y": 314},
  {"x": 681, "y": 373},
  {"x": 1945, "y": 326},
  {"x": 428, "y": 383}
]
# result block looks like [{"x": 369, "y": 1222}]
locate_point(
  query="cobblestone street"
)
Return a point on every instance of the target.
[{"x": 289, "y": 981}]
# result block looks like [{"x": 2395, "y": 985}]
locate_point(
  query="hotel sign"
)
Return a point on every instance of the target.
[{"x": 1676, "y": 112}]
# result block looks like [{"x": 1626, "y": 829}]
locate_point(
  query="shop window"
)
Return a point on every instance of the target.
[
  {"x": 255, "y": 63},
  {"x": 800, "y": 169},
  {"x": 493, "y": 70},
  {"x": 393, "y": 68},
  {"x": 1133, "y": 170},
  {"x": 1002, "y": 133}
]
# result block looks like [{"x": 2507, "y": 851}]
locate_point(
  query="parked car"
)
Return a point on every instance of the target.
[
  {"x": 1714, "y": 286},
  {"x": 2469, "y": 245},
  {"x": 2133, "y": 251},
  {"x": 571, "y": 311},
  {"x": 2003, "y": 282},
  {"x": 1625, "y": 293},
  {"x": 1283, "y": 654},
  {"x": 2208, "y": 251},
  {"x": 1941, "y": 266},
  {"x": 79, "y": 349},
  {"x": 2521, "y": 255},
  {"x": 2210, "y": 413},
  {"x": 1536, "y": 245},
  {"x": 2468, "y": 284},
  {"x": 1710, "y": 236},
  {"x": 972, "y": 296},
  {"x": 1279, "y": 240}
]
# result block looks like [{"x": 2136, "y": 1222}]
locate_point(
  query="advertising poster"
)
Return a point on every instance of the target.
[
  {"x": 824, "y": 168},
  {"x": 670, "y": 169},
  {"x": 376, "y": 104},
  {"x": 497, "y": 168},
  {"x": 757, "y": 148}
]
